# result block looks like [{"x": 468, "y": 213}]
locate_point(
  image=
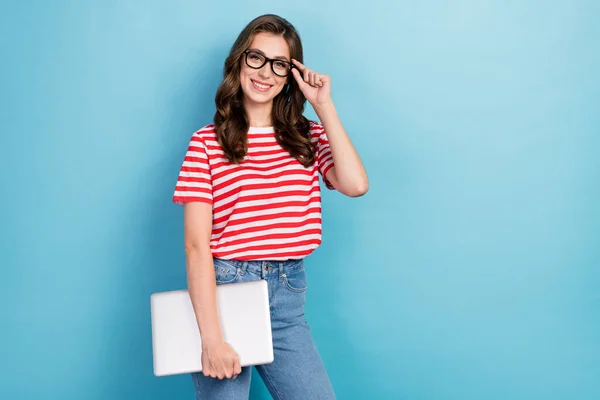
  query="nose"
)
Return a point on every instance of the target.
[{"x": 265, "y": 71}]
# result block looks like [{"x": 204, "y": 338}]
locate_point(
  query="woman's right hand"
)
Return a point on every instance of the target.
[{"x": 219, "y": 360}]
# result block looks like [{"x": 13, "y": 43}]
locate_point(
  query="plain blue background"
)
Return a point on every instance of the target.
[{"x": 469, "y": 271}]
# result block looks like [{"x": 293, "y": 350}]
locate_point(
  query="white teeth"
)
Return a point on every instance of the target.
[{"x": 261, "y": 85}]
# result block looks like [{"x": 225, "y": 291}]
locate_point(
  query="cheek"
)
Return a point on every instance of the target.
[
  {"x": 280, "y": 86},
  {"x": 244, "y": 73}
]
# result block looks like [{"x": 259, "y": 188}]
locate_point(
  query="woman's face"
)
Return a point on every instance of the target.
[{"x": 262, "y": 85}]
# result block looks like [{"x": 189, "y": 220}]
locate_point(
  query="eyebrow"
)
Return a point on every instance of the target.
[{"x": 276, "y": 58}]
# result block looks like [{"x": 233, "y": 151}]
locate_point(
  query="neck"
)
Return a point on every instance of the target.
[{"x": 259, "y": 115}]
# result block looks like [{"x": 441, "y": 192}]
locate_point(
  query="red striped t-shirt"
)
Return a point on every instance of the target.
[{"x": 268, "y": 207}]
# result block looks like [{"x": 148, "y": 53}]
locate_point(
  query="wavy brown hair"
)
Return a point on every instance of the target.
[{"x": 231, "y": 121}]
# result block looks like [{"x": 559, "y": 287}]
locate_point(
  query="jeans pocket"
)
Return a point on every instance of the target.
[
  {"x": 295, "y": 281},
  {"x": 225, "y": 272}
]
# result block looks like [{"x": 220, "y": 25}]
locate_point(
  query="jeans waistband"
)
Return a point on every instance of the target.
[{"x": 265, "y": 268}]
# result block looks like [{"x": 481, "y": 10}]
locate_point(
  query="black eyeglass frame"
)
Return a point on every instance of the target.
[{"x": 268, "y": 60}]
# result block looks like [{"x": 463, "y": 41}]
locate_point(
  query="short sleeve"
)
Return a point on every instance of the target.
[
  {"x": 324, "y": 156},
  {"x": 194, "y": 183}
]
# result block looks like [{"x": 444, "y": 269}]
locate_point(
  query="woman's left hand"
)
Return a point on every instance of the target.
[{"x": 315, "y": 87}]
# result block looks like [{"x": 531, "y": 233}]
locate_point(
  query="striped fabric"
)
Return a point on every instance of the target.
[{"x": 266, "y": 208}]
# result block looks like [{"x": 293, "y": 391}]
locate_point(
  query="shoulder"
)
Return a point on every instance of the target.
[
  {"x": 207, "y": 131},
  {"x": 315, "y": 126},
  {"x": 205, "y": 135},
  {"x": 315, "y": 129}
]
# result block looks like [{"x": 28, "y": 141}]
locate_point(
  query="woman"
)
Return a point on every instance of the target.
[{"x": 252, "y": 205}]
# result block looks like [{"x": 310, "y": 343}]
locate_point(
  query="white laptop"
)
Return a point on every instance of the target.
[{"x": 245, "y": 320}]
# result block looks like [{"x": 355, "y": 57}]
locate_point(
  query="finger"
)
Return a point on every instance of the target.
[
  {"x": 204, "y": 363},
  {"x": 321, "y": 80},
  {"x": 300, "y": 66},
  {"x": 210, "y": 370},
  {"x": 312, "y": 78},
  {"x": 237, "y": 368},
  {"x": 317, "y": 80},
  {"x": 206, "y": 369},
  {"x": 226, "y": 372},
  {"x": 227, "y": 369},
  {"x": 299, "y": 78}
]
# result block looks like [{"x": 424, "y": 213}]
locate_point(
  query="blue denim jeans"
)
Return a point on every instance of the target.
[{"x": 297, "y": 371}]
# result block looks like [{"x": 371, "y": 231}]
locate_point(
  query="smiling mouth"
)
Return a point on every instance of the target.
[{"x": 261, "y": 86}]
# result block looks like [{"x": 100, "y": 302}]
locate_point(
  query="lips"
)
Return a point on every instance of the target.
[{"x": 260, "y": 86}]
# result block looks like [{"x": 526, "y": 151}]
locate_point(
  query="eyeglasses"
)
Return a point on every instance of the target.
[{"x": 279, "y": 67}]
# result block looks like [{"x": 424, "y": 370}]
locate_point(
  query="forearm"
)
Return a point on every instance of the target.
[
  {"x": 349, "y": 169},
  {"x": 202, "y": 290}
]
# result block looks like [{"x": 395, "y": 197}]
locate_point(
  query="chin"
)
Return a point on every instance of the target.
[{"x": 253, "y": 98}]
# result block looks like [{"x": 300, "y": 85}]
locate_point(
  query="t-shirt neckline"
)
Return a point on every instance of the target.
[{"x": 261, "y": 129}]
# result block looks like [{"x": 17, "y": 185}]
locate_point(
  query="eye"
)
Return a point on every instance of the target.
[{"x": 280, "y": 64}]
